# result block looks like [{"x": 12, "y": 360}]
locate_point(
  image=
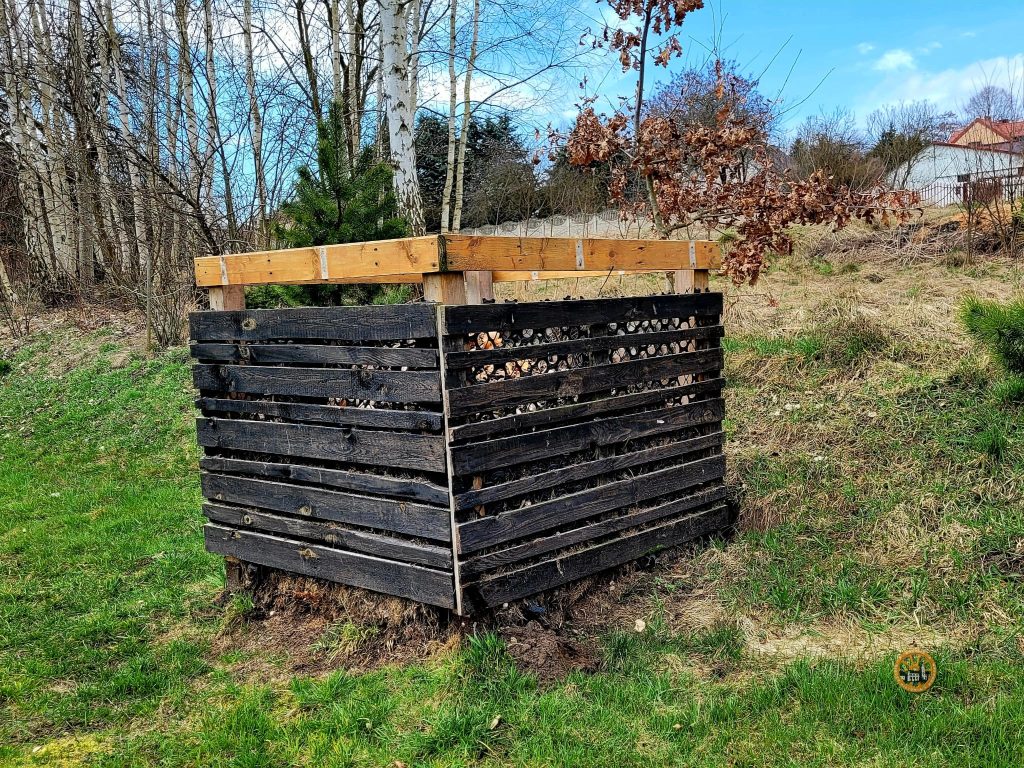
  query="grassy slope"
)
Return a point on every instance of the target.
[{"x": 883, "y": 499}]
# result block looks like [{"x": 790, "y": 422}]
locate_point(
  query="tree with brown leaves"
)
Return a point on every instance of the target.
[{"x": 690, "y": 171}]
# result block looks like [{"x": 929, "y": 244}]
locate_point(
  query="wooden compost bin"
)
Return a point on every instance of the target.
[{"x": 460, "y": 454}]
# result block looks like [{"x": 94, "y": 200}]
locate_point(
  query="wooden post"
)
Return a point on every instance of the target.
[
  {"x": 445, "y": 287},
  {"x": 234, "y": 575},
  {"x": 227, "y": 297},
  {"x": 690, "y": 280},
  {"x": 479, "y": 287}
]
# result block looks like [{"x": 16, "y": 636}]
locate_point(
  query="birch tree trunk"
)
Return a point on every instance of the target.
[
  {"x": 256, "y": 119},
  {"x": 354, "y": 11},
  {"x": 188, "y": 97},
  {"x": 449, "y": 174},
  {"x": 88, "y": 223},
  {"x": 400, "y": 110},
  {"x": 140, "y": 247},
  {"x": 307, "y": 57},
  {"x": 51, "y": 170},
  {"x": 215, "y": 144},
  {"x": 35, "y": 239},
  {"x": 334, "y": 21},
  {"x": 460, "y": 176}
]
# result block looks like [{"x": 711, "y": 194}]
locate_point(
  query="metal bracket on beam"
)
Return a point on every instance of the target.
[{"x": 322, "y": 250}]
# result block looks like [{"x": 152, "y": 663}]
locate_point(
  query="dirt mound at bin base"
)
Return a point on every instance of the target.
[{"x": 298, "y": 625}]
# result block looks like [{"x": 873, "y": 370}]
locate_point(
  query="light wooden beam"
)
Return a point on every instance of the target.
[
  {"x": 351, "y": 262},
  {"x": 406, "y": 260},
  {"x": 568, "y": 254}
]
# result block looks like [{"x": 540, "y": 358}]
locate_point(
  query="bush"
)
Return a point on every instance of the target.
[
  {"x": 999, "y": 327},
  {"x": 282, "y": 296}
]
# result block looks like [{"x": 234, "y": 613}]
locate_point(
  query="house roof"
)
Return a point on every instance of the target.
[
  {"x": 998, "y": 148},
  {"x": 1008, "y": 129}
]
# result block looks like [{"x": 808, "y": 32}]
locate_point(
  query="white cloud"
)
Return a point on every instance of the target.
[
  {"x": 948, "y": 88},
  {"x": 924, "y": 50},
  {"x": 895, "y": 59},
  {"x": 865, "y": 48}
]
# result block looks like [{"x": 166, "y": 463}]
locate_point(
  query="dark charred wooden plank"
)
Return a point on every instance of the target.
[
  {"x": 385, "y": 386},
  {"x": 501, "y": 355},
  {"x": 331, "y": 534},
  {"x": 580, "y": 381},
  {"x": 381, "y": 418},
  {"x": 315, "y": 354},
  {"x": 489, "y": 531},
  {"x": 571, "y": 566},
  {"x": 518, "y": 449},
  {"x": 378, "y": 574},
  {"x": 318, "y": 503},
  {"x": 523, "y": 421},
  {"x": 371, "y": 323},
  {"x": 359, "y": 482},
  {"x": 357, "y": 446},
  {"x": 565, "y": 475},
  {"x": 550, "y": 314},
  {"x": 480, "y": 564}
]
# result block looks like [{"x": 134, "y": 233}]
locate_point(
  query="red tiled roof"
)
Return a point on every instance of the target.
[{"x": 1008, "y": 129}]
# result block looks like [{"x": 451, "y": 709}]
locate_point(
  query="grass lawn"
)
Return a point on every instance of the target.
[{"x": 884, "y": 505}]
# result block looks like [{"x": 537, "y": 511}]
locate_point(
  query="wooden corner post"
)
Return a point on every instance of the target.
[
  {"x": 692, "y": 280},
  {"x": 228, "y": 297}
]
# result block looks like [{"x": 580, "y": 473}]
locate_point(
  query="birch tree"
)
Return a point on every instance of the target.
[{"x": 399, "y": 108}]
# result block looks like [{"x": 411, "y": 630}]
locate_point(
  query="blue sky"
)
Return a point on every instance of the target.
[{"x": 862, "y": 55}]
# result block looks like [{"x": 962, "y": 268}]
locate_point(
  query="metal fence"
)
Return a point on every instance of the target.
[{"x": 980, "y": 188}]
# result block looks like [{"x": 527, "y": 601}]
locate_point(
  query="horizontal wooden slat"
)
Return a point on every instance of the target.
[
  {"x": 550, "y": 314},
  {"x": 339, "y": 263},
  {"x": 516, "y": 524},
  {"x": 552, "y": 542},
  {"x": 464, "y": 253},
  {"x": 388, "y": 576},
  {"x": 357, "y": 446},
  {"x": 359, "y": 482},
  {"x": 518, "y": 422},
  {"x": 315, "y": 354},
  {"x": 371, "y": 323},
  {"x": 582, "y": 471},
  {"x": 381, "y": 418},
  {"x": 382, "y": 386},
  {"x": 534, "y": 446},
  {"x": 575, "y": 565},
  {"x": 580, "y": 381},
  {"x": 367, "y": 511},
  {"x": 331, "y": 534},
  {"x": 512, "y": 276},
  {"x": 500, "y": 355},
  {"x": 407, "y": 258}
]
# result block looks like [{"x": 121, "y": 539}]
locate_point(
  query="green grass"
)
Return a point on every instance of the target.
[{"x": 895, "y": 486}]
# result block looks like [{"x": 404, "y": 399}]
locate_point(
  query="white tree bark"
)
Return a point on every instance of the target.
[
  {"x": 400, "y": 110},
  {"x": 51, "y": 169},
  {"x": 140, "y": 246},
  {"x": 335, "y": 25},
  {"x": 188, "y": 97},
  {"x": 467, "y": 107},
  {"x": 256, "y": 118},
  {"x": 453, "y": 87},
  {"x": 35, "y": 236}
]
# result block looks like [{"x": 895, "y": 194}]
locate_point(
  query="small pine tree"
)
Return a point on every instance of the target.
[
  {"x": 333, "y": 205},
  {"x": 1000, "y": 328}
]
